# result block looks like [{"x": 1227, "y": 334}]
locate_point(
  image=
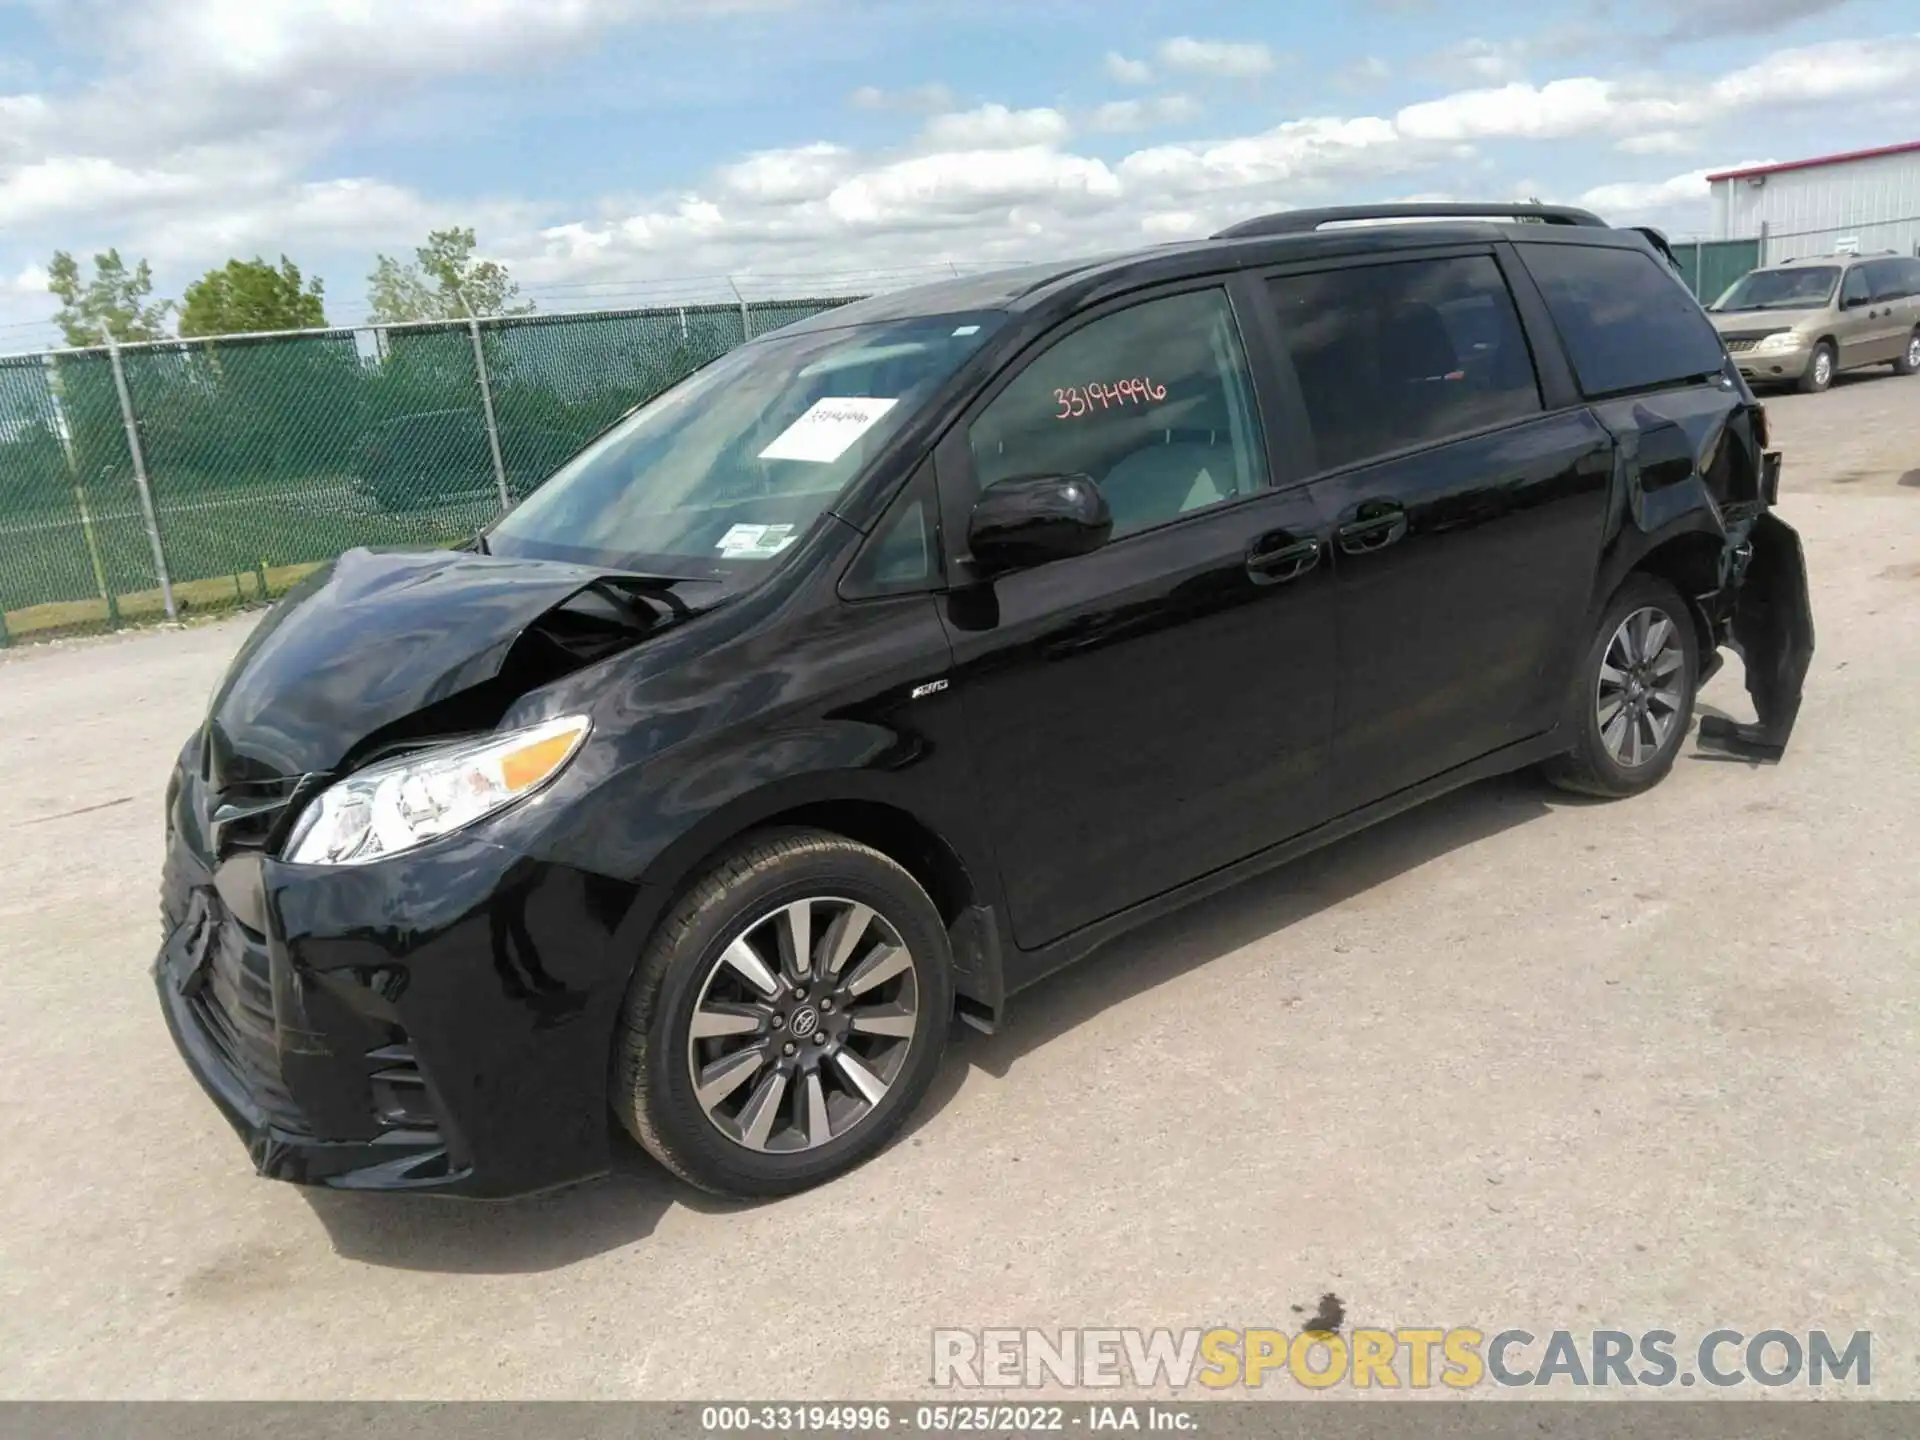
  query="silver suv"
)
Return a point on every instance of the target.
[{"x": 1802, "y": 322}]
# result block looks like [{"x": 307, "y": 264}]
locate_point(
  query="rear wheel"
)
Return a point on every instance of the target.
[
  {"x": 1634, "y": 694},
  {"x": 786, "y": 1017},
  {"x": 1819, "y": 372},
  {"x": 1909, "y": 361}
]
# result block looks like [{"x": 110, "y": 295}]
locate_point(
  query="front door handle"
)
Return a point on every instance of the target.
[
  {"x": 1376, "y": 531},
  {"x": 1275, "y": 559}
]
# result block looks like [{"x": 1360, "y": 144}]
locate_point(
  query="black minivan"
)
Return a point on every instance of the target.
[{"x": 904, "y": 655}]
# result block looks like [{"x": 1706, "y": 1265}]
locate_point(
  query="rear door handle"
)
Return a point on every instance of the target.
[
  {"x": 1375, "y": 532},
  {"x": 1275, "y": 559}
]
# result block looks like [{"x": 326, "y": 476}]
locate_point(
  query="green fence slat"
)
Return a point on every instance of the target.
[
  {"x": 43, "y": 550},
  {"x": 1710, "y": 266},
  {"x": 1722, "y": 263}
]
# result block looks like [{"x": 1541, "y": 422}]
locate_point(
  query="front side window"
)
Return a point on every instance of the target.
[
  {"x": 1855, "y": 290},
  {"x": 726, "y": 471},
  {"x": 1153, "y": 402},
  {"x": 1809, "y": 288},
  {"x": 1628, "y": 322},
  {"x": 1390, "y": 356},
  {"x": 903, "y": 554}
]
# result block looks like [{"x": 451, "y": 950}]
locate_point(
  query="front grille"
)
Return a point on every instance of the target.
[
  {"x": 1740, "y": 340},
  {"x": 235, "y": 1010}
]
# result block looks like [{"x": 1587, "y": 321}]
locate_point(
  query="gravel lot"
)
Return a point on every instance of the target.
[{"x": 1510, "y": 1060}]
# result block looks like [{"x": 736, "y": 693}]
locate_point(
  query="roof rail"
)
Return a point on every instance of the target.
[{"x": 1301, "y": 222}]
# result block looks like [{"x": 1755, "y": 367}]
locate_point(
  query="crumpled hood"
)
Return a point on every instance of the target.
[{"x": 368, "y": 640}]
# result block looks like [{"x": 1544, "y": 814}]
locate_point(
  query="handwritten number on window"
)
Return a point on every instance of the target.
[{"x": 1078, "y": 400}]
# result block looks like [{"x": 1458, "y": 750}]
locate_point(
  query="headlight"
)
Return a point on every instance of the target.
[
  {"x": 399, "y": 804},
  {"x": 1779, "y": 340}
]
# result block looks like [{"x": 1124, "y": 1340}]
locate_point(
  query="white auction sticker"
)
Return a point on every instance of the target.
[
  {"x": 755, "y": 542},
  {"x": 828, "y": 429}
]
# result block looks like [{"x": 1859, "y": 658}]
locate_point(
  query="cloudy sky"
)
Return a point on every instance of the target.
[{"x": 619, "y": 151}]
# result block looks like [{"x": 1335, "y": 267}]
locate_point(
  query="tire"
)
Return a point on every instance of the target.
[
  {"x": 734, "y": 1145},
  {"x": 1594, "y": 765},
  {"x": 1909, "y": 361},
  {"x": 1818, "y": 376}
]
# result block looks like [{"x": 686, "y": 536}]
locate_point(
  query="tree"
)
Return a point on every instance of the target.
[
  {"x": 250, "y": 295},
  {"x": 115, "y": 302},
  {"x": 443, "y": 282}
]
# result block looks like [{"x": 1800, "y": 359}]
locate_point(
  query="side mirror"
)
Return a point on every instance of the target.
[{"x": 1031, "y": 519}]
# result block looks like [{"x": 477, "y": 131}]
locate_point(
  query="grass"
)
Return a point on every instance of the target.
[{"x": 226, "y": 543}]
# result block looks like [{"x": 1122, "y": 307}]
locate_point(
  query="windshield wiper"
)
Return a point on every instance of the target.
[
  {"x": 650, "y": 579},
  {"x": 654, "y": 587}
]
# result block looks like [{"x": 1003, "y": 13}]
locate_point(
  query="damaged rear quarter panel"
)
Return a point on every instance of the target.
[
  {"x": 1683, "y": 458},
  {"x": 1687, "y": 504}
]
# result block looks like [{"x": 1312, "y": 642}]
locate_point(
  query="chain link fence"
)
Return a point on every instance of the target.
[
  {"x": 1710, "y": 266},
  {"x": 191, "y": 475}
]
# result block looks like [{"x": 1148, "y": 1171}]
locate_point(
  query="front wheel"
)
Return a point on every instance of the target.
[
  {"x": 786, "y": 1017},
  {"x": 1909, "y": 361},
  {"x": 1819, "y": 372},
  {"x": 1634, "y": 693}
]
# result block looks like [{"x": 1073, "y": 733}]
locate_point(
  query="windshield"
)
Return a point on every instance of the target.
[
  {"x": 1806, "y": 289},
  {"x": 718, "y": 476}
]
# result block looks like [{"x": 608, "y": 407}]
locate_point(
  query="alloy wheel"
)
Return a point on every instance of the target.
[
  {"x": 1913, "y": 352},
  {"x": 1638, "y": 699},
  {"x": 1822, "y": 369},
  {"x": 803, "y": 1024}
]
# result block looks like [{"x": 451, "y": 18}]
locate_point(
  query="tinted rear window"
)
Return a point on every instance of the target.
[
  {"x": 1628, "y": 322},
  {"x": 1892, "y": 279},
  {"x": 1391, "y": 356}
]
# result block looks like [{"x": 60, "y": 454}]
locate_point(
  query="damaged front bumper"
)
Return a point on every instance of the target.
[
  {"x": 1765, "y": 615},
  {"x": 279, "y": 1141},
  {"x": 441, "y": 1022}
]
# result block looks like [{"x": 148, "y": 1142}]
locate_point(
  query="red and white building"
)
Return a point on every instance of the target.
[{"x": 1863, "y": 200}]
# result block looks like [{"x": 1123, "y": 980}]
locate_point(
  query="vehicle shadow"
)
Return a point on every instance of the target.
[
  {"x": 550, "y": 1232},
  {"x": 509, "y": 1237},
  {"x": 1169, "y": 947}
]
